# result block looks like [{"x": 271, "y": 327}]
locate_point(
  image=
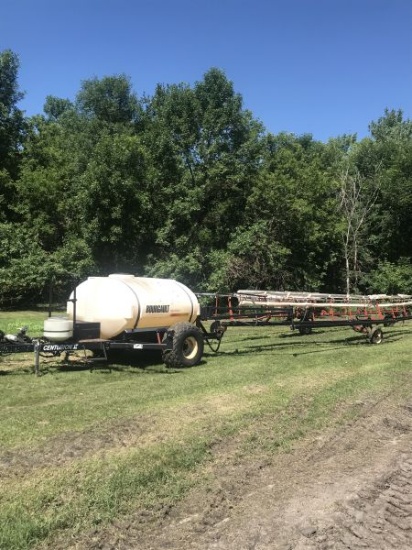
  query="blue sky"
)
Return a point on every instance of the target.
[{"x": 325, "y": 67}]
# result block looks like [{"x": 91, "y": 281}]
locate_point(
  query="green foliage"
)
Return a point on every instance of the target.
[
  {"x": 11, "y": 118},
  {"x": 12, "y": 130},
  {"x": 254, "y": 259},
  {"x": 116, "y": 203},
  {"x": 187, "y": 184},
  {"x": 390, "y": 278},
  {"x": 55, "y": 107},
  {"x": 290, "y": 230},
  {"x": 110, "y": 99},
  {"x": 391, "y": 127},
  {"x": 22, "y": 264},
  {"x": 28, "y": 273},
  {"x": 391, "y": 228},
  {"x": 207, "y": 152}
]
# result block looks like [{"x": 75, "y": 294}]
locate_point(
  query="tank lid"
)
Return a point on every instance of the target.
[{"x": 121, "y": 276}]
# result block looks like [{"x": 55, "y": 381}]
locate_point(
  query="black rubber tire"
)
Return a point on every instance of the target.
[
  {"x": 305, "y": 330},
  {"x": 217, "y": 328},
  {"x": 187, "y": 348},
  {"x": 389, "y": 321},
  {"x": 375, "y": 335}
]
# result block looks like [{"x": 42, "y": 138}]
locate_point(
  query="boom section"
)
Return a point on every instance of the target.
[{"x": 306, "y": 309}]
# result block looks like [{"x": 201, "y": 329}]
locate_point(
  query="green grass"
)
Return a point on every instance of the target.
[
  {"x": 11, "y": 321},
  {"x": 80, "y": 449}
]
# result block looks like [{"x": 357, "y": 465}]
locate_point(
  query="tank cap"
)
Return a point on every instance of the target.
[{"x": 121, "y": 276}]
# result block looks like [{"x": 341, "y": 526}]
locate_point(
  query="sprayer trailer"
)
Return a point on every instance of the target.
[
  {"x": 135, "y": 314},
  {"x": 122, "y": 312}
]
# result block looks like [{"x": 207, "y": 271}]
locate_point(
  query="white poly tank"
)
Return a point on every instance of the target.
[
  {"x": 125, "y": 302},
  {"x": 57, "y": 329}
]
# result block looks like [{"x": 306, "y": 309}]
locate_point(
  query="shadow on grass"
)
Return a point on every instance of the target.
[
  {"x": 299, "y": 343},
  {"x": 16, "y": 372},
  {"x": 135, "y": 367},
  {"x": 121, "y": 362},
  {"x": 126, "y": 362}
]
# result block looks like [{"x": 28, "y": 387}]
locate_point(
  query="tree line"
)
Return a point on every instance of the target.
[{"x": 187, "y": 184}]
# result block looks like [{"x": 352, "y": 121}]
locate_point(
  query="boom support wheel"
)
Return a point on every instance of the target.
[{"x": 375, "y": 335}]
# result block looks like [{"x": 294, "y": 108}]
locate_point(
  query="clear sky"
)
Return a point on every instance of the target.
[{"x": 325, "y": 67}]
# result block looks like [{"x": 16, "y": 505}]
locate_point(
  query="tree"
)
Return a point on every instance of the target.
[
  {"x": 12, "y": 128},
  {"x": 82, "y": 185},
  {"x": 386, "y": 236},
  {"x": 254, "y": 259},
  {"x": 391, "y": 127},
  {"x": 109, "y": 99},
  {"x": 356, "y": 201},
  {"x": 289, "y": 238},
  {"x": 390, "y": 278},
  {"x": 44, "y": 244},
  {"x": 56, "y": 107},
  {"x": 206, "y": 152},
  {"x": 116, "y": 203},
  {"x": 28, "y": 272},
  {"x": 391, "y": 148}
]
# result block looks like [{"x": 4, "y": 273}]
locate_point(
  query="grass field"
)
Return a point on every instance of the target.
[{"x": 80, "y": 450}]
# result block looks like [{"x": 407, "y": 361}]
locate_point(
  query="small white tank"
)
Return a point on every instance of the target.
[
  {"x": 124, "y": 302},
  {"x": 57, "y": 329}
]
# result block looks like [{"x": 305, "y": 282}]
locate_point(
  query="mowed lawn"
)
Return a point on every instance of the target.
[{"x": 80, "y": 449}]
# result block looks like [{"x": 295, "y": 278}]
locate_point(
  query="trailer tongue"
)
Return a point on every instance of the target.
[{"x": 123, "y": 312}]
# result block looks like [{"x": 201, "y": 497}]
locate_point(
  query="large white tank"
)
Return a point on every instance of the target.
[{"x": 124, "y": 302}]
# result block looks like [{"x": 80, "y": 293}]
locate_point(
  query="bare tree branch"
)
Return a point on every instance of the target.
[{"x": 357, "y": 197}]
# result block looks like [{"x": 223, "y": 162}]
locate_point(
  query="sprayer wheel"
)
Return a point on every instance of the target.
[
  {"x": 375, "y": 335},
  {"x": 187, "y": 347}
]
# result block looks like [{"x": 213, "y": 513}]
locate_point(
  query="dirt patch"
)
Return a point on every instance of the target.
[{"x": 348, "y": 488}]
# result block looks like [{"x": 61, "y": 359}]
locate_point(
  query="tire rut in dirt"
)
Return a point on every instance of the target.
[{"x": 378, "y": 518}]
